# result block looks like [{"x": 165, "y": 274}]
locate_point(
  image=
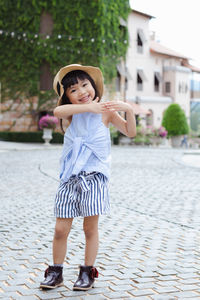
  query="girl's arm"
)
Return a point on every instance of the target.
[
  {"x": 67, "y": 110},
  {"x": 128, "y": 126}
]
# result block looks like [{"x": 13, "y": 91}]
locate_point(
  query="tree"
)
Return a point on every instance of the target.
[
  {"x": 86, "y": 32},
  {"x": 174, "y": 120}
]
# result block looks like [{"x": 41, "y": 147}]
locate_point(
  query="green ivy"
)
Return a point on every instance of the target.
[{"x": 83, "y": 20}]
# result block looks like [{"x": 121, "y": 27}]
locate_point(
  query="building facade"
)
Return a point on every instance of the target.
[{"x": 158, "y": 76}]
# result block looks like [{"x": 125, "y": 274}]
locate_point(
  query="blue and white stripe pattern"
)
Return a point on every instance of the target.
[{"x": 82, "y": 195}]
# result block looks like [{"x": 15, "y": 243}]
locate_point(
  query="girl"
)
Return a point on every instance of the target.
[{"x": 85, "y": 163}]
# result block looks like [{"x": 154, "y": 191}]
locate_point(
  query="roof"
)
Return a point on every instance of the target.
[
  {"x": 185, "y": 63},
  {"x": 156, "y": 47},
  {"x": 143, "y": 14}
]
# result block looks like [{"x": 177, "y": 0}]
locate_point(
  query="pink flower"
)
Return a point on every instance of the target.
[{"x": 48, "y": 122}]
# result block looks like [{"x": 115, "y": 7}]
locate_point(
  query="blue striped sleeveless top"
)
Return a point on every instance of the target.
[{"x": 86, "y": 146}]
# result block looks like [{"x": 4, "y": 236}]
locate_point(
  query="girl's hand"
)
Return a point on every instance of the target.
[
  {"x": 100, "y": 107},
  {"x": 118, "y": 106}
]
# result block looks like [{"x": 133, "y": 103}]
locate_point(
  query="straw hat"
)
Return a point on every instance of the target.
[{"x": 94, "y": 72}]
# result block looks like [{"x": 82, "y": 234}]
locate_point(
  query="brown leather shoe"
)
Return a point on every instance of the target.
[
  {"x": 53, "y": 278},
  {"x": 86, "y": 278}
]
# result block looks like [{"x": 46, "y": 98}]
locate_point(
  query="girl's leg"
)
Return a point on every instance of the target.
[
  {"x": 87, "y": 272},
  {"x": 62, "y": 230},
  {"x": 90, "y": 226}
]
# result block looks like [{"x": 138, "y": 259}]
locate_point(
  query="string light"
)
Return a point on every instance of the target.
[{"x": 32, "y": 36}]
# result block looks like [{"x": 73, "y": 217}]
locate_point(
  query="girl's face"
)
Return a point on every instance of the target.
[{"x": 81, "y": 92}]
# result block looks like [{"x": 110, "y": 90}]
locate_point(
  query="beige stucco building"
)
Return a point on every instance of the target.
[{"x": 157, "y": 76}]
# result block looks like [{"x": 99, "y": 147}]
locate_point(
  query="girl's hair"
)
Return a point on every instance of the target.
[{"x": 70, "y": 79}]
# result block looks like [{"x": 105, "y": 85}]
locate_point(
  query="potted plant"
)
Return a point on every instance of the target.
[
  {"x": 47, "y": 124},
  {"x": 160, "y": 134},
  {"x": 175, "y": 122}
]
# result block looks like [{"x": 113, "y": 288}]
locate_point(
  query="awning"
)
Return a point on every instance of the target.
[
  {"x": 138, "y": 109},
  {"x": 158, "y": 76},
  {"x": 141, "y": 34},
  {"x": 122, "y": 22},
  {"x": 141, "y": 74},
  {"x": 123, "y": 71}
]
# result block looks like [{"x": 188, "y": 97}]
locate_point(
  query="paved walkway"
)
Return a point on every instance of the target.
[{"x": 149, "y": 246}]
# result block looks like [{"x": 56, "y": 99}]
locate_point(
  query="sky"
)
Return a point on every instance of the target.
[{"x": 176, "y": 24}]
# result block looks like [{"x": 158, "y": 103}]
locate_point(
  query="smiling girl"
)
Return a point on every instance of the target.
[{"x": 85, "y": 165}]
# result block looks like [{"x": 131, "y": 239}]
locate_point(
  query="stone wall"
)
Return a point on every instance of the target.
[{"x": 20, "y": 115}]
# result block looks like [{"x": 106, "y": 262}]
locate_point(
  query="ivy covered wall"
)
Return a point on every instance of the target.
[{"x": 84, "y": 31}]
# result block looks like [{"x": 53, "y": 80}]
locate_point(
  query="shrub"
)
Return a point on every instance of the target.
[
  {"x": 174, "y": 120},
  {"x": 29, "y": 137}
]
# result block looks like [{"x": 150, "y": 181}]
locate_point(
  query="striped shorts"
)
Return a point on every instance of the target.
[{"x": 82, "y": 195}]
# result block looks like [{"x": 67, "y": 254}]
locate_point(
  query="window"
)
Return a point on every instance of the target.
[
  {"x": 122, "y": 72},
  {"x": 156, "y": 84},
  {"x": 126, "y": 84},
  {"x": 167, "y": 87},
  {"x": 140, "y": 79},
  {"x": 118, "y": 82},
  {"x": 139, "y": 82},
  {"x": 182, "y": 87},
  {"x": 186, "y": 88},
  {"x": 140, "y": 40},
  {"x": 157, "y": 80},
  {"x": 179, "y": 88}
]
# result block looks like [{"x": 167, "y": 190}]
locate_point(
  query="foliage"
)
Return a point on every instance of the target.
[
  {"x": 48, "y": 122},
  {"x": 29, "y": 137},
  {"x": 174, "y": 120},
  {"x": 160, "y": 132},
  {"x": 114, "y": 134},
  {"x": 86, "y": 32},
  {"x": 151, "y": 131}
]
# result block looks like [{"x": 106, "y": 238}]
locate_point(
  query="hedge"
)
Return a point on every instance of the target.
[{"x": 29, "y": 137}]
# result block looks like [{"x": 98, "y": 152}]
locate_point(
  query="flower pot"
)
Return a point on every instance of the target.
[
  {"x": 47, "y": 135},
  {"x": 155, "y": 141},
  {"x": 176, "y": 141}
]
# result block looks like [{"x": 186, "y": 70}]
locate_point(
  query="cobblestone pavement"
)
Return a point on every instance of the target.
[{"x": 149, "y": 245}]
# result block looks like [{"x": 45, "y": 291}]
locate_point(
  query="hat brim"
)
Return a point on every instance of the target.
[{"x": 94, "y": 72}]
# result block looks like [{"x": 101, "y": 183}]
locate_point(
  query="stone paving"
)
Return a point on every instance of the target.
[{"x": 149, "y": 245}]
